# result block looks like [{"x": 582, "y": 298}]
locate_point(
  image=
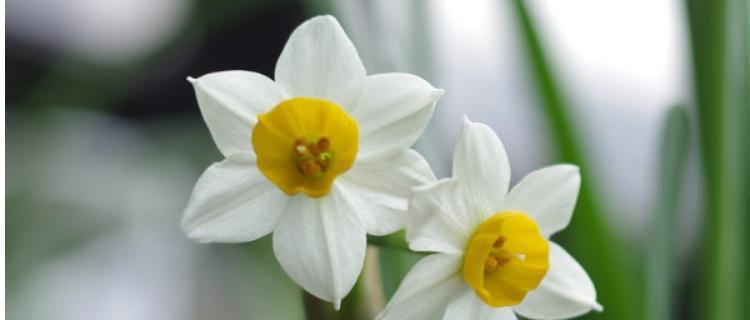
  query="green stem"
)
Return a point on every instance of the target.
[{"x": 395, "y": 241}]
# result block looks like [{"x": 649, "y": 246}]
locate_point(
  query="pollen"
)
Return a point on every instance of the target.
[
  {"x": 303, "y": 144},
  {"x": 506, "y": 258},
  {"x": 313, "y": 158},
  {"x": 490, "y": 264}
]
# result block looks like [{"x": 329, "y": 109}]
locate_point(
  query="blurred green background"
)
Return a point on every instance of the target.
[{"x": 104, "y": 141}]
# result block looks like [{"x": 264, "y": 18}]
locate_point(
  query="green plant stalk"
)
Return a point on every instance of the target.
[
  {"x": 394, "y": 241},
  {"x": 591, "y": 241},
  {"x": 719, "y": 61},
  {"x": 661, "y": 254},
  {"x": 395, "y": 260},
  {"x": 746, "y": 159},
  {"x": 395, "y": 263}
]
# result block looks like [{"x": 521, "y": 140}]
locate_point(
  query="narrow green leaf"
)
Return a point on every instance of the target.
[
  {"x": 661, "y": 254},
  {"x": 590, "y": 238},
  {"x": 718, "y": 31},
  {"x": 746, "y": 159}
]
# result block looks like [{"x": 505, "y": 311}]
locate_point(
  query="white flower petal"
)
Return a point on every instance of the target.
[
  {"x": 565, "y": 292},
  {"x": 321, "y": 245},
  {"x": 233, "y": 202},
  {"x": 426, "y": 290},
  {"x": 230, "y": 101},
  {"x": 481, "y": 163},
  {"x": 378, "y": 188},
  {"x": 392, "y": 110},
  {"x": 548, "y": 195},
  {"x": 319, "y": 61},
  {"x": 439, "y": 219},
  {"x": 469, "y": 307}
]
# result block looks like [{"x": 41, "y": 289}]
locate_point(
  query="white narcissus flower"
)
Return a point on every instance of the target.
[
  {"x": 320, "y": 157},
  {"x": 493, "y": 254}
]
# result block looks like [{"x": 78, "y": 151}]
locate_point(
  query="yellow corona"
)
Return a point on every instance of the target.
[
  {"x": 506, "y": 258},
  {"x": 302, "y": 144}
]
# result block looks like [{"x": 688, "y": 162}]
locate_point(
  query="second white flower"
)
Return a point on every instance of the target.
[{"x": 493, "y": 257}]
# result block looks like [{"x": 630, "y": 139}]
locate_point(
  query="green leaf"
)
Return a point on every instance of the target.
[
  {"x": 661, "y": 253},
  {"x": 718, "y": 30},
  {"x": 589, "y": 237}
]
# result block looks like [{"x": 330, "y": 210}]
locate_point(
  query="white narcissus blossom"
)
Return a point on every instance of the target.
[
  {"x": 493, "y": 254},
  {"x": 320, "y": 157}
]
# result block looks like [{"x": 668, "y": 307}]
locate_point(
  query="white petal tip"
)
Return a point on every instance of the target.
[
  {"x": 323, "y": 19},
  {"x": 467, "y": 121},
  {"x": 194, "y": 233},
  {"x": 437, "y": 94},
  {"x": 196, "y": 237},
  {"x": 597, "y": 307},
  {"x": 569, "y": 166},
  {"x": 337, "y": 304},
  {"x": 192, "y": 80}
]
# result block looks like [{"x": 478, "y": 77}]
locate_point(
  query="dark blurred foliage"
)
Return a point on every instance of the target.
[{"x": 248, "y": 37}]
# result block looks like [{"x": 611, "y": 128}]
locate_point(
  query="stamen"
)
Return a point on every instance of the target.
[
  {"x": 490, "y": 264},
  {"x": 313, "y": 158},
  {"x": 500, "y": 257},
  {"x": 300, "y": 149},
  {"x": 313, "y": 147},
  {"x": 323, "y": 163},
  {"x": 300, "y": 146},
  {"x": 309, "y": 167},
  {"x": 499, "y": 242},
  {"x": 323, "y": 144}
]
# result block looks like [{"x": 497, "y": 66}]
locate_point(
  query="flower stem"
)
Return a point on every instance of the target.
[{"x": 395, "y": 241}]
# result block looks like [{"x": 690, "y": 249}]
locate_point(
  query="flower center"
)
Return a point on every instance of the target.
[
  {"x": 302, "y": 144},
  {"x": 313, "y": 158},
  {"x": 506, "y": 258}
]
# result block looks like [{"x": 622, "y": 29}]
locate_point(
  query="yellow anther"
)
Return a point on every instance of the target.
[
  {"x": 490, "y": 264},
  {"x": 313, "y": 147},
  {"x": 310, "y": 168},
  {"x": 300, "y": 146},
  {"x": 499, "y": 242},
  {"x": 311, "y": 160},
  {"x": 323, "y": 144}
]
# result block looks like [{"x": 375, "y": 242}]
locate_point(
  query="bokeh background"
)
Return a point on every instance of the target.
[{"x": 104, "y": 141}]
